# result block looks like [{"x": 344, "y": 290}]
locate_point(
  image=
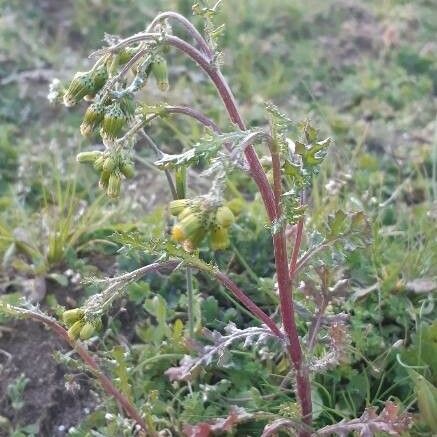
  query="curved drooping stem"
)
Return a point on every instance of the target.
[
  {"x": 188, "y": 27},
  {"x": 197, "y": 115},
  {"x": 226, "y": 95}
]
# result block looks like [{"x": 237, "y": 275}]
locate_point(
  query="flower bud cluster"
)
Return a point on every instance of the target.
[
  {"x": 112, "y": 166},
  {"x": 111, "y": 117},
  {"x": 196, "y": 219},
  {"x": 111, "y": 110},
  {"x": 79, "y": 326}
]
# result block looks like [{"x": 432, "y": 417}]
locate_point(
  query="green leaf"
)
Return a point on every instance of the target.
[
  {"x": 317, "y": 403},
  {"x": 59, "y": 278},
  {"x": 210, "y": 309},
  {"x": 426, "y": 399},
  {"x": 280, "y": 121},
  {"x": 337, "y": 224}
]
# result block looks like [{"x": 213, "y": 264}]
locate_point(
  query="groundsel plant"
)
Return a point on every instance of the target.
[{"x": 283, "y": 176}]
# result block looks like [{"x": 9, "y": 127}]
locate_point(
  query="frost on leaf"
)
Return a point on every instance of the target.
[{"x": 218, "y": 351}]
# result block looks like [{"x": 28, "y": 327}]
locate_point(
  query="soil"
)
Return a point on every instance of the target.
[{"x": 27, "y": 349}]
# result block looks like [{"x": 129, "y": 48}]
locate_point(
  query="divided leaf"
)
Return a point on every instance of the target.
[
  {"x": 219, "y": 350},
  {"x": 206, "y": 149}
]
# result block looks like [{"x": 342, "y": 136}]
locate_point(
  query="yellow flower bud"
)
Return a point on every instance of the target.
[
  {"x": 98, "y": 163},
  {"x": 99, "y": 78},
  {"x": 94, "y": 114},
  {"x": 128, "y": 169},
  {"x": 219, "y": 238},
  {"x": 109, "y": 164},
  {"x": 113, "y": 120},
  {"x": 186, "y": 211},
  {"x": 193, "y": 242},
  {"x": 177, "y": 233},
  {"x": 86, "y": 129},
  {"x": 224, "y": 216},
  {"x": 71, "y": 316},
  {"x": 74, "y": 331},
  {"x": 87, "y": 331},
  {"x": 178, "y": 205},
  {"x": 90, "y": 156},
  {"x": 187, "y": 227},
  {"x": 114, "y": 185},
  {"x": 104, "y": 180}
]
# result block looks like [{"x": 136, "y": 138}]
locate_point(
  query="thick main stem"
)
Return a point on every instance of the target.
[
  {"x": 285, "y": 286},
  {"x": 279, "y": 242},
  {"x": 280, "y": 252}
]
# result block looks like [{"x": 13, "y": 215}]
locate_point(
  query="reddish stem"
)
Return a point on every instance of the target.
[
  {"x": 279, "y": 242},
  {"x": 197, "y": 115},
  {"x": 188, "y": 27},
  {"x": 248, "y": 303}
]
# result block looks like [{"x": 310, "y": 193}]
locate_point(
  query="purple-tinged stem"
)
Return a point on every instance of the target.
[
  {"x": 188, "y": 27},
  {"x": 193, "y": 113},
  {"x": 248, "y": 302}
]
